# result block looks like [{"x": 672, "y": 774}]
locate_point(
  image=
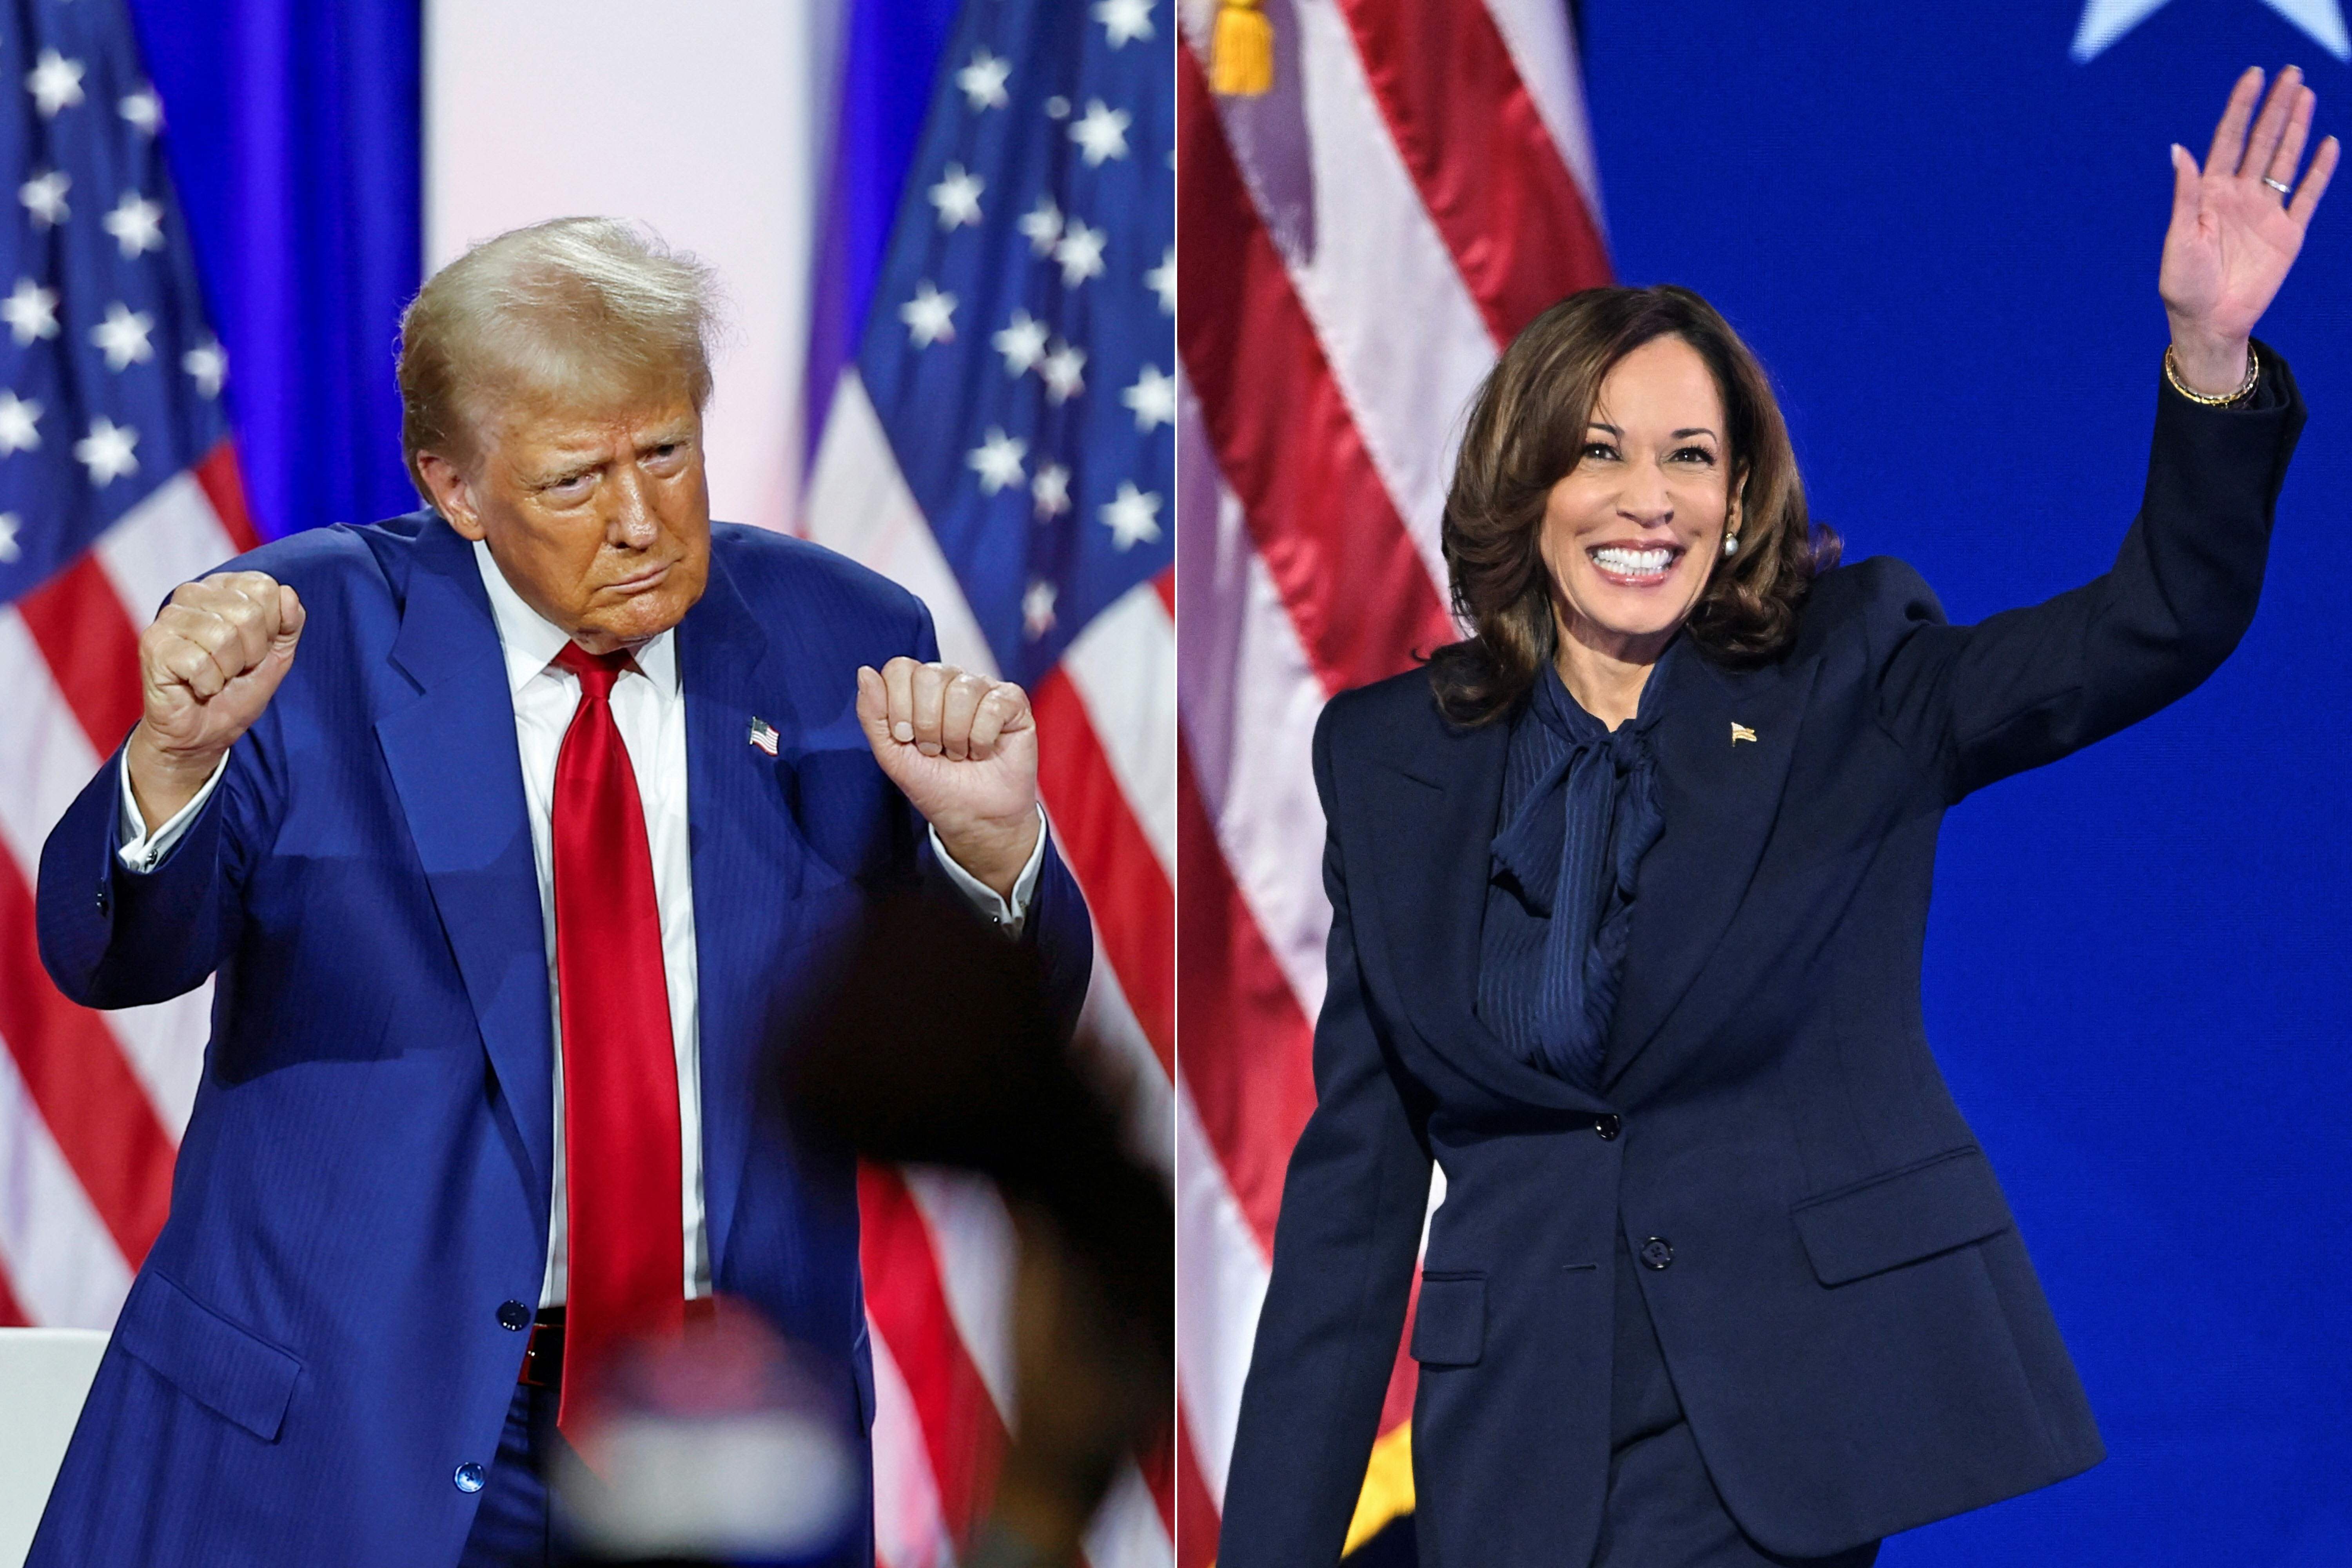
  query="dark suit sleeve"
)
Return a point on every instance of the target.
[
  {"x": 1974, "y": 704},
  {"x": 1352, "y": 1205},
  {"x": 112, "y": 937}
]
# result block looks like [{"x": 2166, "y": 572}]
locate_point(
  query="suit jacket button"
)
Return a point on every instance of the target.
[
  {"x": 1658, "y": 1252},
  {"x": 514, "y": 1315},
  {"x": 101, "y": 901},
  {"x": 1608, "y": 1126},
  {"x": 469, "y": 1476}
]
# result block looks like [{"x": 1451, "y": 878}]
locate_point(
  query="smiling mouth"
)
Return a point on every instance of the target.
[{"x": 1634, "y": 567}]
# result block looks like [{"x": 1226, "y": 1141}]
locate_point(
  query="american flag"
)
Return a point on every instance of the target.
[
  {"x": 1358, "y": 244},
  {"x": 1003, "y": 445},
  {"x": 117, "y": 483}
]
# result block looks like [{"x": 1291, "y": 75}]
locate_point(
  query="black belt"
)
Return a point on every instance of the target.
[{"x": 542, "y": 1356}]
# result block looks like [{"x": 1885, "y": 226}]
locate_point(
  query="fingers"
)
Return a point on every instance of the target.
[
  {"x": 2262, "y": 142},
  {"x": 2185, "y": 176},
  {"x": 2288, "y": 155},
  {"x": 2230, "y": 136},
  {"x": 1005, "y": 711},
  {"x": 215, "y": 630},
  {"x": 939, "y": 710},
  {"x": 2315, "y": 181},
  {"x": 899, "y": 690}
]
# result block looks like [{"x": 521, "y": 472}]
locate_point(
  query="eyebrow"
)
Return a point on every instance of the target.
[{"x": 1676, "y": 436}]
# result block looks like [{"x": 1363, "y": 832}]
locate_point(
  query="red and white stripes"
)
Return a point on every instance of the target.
[
  {"x": 91, "y": 1104},
  {"x": 1355, "y": 247},
  {"x": 937, "y": 1253}
]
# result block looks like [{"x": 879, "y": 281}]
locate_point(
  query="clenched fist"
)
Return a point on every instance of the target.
[
  {"x": 963, "y": 749},
  {"x": 207, "y": 666}
]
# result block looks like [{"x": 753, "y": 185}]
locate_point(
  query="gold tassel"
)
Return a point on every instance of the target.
[{"x": 1241, "y": 52}]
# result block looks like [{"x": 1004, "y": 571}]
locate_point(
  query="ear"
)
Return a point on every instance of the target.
[
  {"x": 452, "y": 493},
  {"x": 1734, "y": 517}
]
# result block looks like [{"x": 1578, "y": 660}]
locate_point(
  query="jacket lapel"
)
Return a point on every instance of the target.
[
  {"x": 1433, "y": 817},
  {"x": 454, "y": 763},
  {"x": 1723, "y": 746},
  {"x": 747, "y": 869}
]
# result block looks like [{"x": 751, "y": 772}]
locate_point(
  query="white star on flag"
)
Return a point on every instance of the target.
[
  {"x": 9, "y": 524},
  {"x": 123, "y": 336},
  {"x": 1051, "y": 490},
  {"x": 1022, "y": 343},
  {"x": 1162, "y": 280},
  {"x": 997, "y": 461},
  {"x": 1080, "y": 253},
  {"x": 2104, "y": 21},
  {"x": 1124, "y": 20},
  {"x": 1064, "y": 370},
  {"x": 983, "y": 81},
  {"x": 55, "y": 82},
  {"x": 19, "y": 419},
  {"x": 31, "y": 312},
  {"x": 1101, "y": 133},
  {"x": 1037, "y": 608},
  {"x": 43, "y": 197},
  {"x": 957, "y": 196},
  {"x": 929, "y": 316},
  {"x": 1043, "y": 224},
  {"x": 207, "y": 363},
  {"x": 1153, "y": 398},
  {"x": 106, "y": 452},
  {"x": 144, "y": 109},
  {"x": 1132, "y": 517},
  {"x": 136, "y": 224}
]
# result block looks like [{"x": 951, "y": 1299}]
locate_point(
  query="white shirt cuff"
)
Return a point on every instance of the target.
[
  {"x": 142, "y": 851},
  {"x": 1005, "y": 914}
]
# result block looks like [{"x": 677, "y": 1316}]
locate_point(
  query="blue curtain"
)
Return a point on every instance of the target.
[
  {"x": 891, "y": 52},
  {"x": 293, "y": 127}
]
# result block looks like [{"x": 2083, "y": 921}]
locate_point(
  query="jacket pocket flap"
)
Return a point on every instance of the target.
[
  {"x": 1449, "y": 1327},
  {"x": 1900, "y": 1217},
  {"x": 204, "y": 1355}
]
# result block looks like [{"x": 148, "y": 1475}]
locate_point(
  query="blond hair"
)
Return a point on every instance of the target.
[{"x": 572, "y": 306}]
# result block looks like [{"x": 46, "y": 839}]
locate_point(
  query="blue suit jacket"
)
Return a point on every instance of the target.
[
  {"x": 1851, "y": 1325},
  {"x": 314, "y": 1346}
]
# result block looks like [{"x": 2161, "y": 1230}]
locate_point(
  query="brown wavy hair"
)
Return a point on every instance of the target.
[{"x": 1526, "y": 432}]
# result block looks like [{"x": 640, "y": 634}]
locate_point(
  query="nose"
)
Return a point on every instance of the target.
[
  {"x": 1646, "y": 499},
  {"x": 631, "y": 523}
]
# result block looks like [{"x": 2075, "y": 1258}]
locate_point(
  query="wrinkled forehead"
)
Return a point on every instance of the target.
[{"x": 532, "y": 394}]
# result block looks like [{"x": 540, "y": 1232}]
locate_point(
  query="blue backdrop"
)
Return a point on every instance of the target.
[
  {"x": 1940, "y": 232},
  {"x": 291, "y": 127}
]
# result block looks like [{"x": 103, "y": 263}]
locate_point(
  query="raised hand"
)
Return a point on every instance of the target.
[
  {"x": 2233, "y": 237},
  {"x": 208, "y": 665},
  {"x": 963, "y": 749}
]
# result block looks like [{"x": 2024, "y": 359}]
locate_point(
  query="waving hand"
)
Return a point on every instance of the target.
[{"x": 2237, "y": 223}]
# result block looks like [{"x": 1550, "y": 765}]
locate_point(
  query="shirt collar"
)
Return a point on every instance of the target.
[{"x": 530, "y": 641}]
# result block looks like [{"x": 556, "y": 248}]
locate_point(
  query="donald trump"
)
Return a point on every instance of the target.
[{"x": 504, "y": 826}]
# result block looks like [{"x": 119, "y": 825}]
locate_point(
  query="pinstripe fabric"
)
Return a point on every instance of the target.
[{"x": 1580, "y": 810}]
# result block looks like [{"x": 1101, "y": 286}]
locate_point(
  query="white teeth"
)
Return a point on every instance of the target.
[{"x": 1633, "y": 562}]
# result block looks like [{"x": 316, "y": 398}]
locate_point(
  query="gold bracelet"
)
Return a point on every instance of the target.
[{"x": 2254, "y": 374}]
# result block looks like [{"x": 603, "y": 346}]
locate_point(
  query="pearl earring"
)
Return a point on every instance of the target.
[{"x": 1731, "y": 545}]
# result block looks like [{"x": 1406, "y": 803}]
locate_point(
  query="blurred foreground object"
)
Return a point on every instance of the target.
[
  {"x": 972, "y": 1071},
  {"x": 720, "y": 1446}
]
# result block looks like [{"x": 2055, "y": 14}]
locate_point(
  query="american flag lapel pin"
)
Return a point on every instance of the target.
[
  {"x": 1741, "y": 733},
  {"x": 763, "y": 735}
]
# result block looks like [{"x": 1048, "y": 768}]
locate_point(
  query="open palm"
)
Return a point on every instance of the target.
[{"x": 2232, "y": 237}]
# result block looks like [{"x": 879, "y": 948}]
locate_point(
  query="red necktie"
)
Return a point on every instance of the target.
[{"x": 620, "y": 1072}]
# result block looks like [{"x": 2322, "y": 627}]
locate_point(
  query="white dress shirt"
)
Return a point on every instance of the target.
[{"x": 649, "y": 710}]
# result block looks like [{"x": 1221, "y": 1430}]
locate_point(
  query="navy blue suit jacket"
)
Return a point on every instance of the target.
[
  {"x": 314, "y": 1346},
  {"x": 1850, "y": 1318}
]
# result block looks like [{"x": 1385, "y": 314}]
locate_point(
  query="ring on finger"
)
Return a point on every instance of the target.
[{"x": 2281, "y": 186}]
